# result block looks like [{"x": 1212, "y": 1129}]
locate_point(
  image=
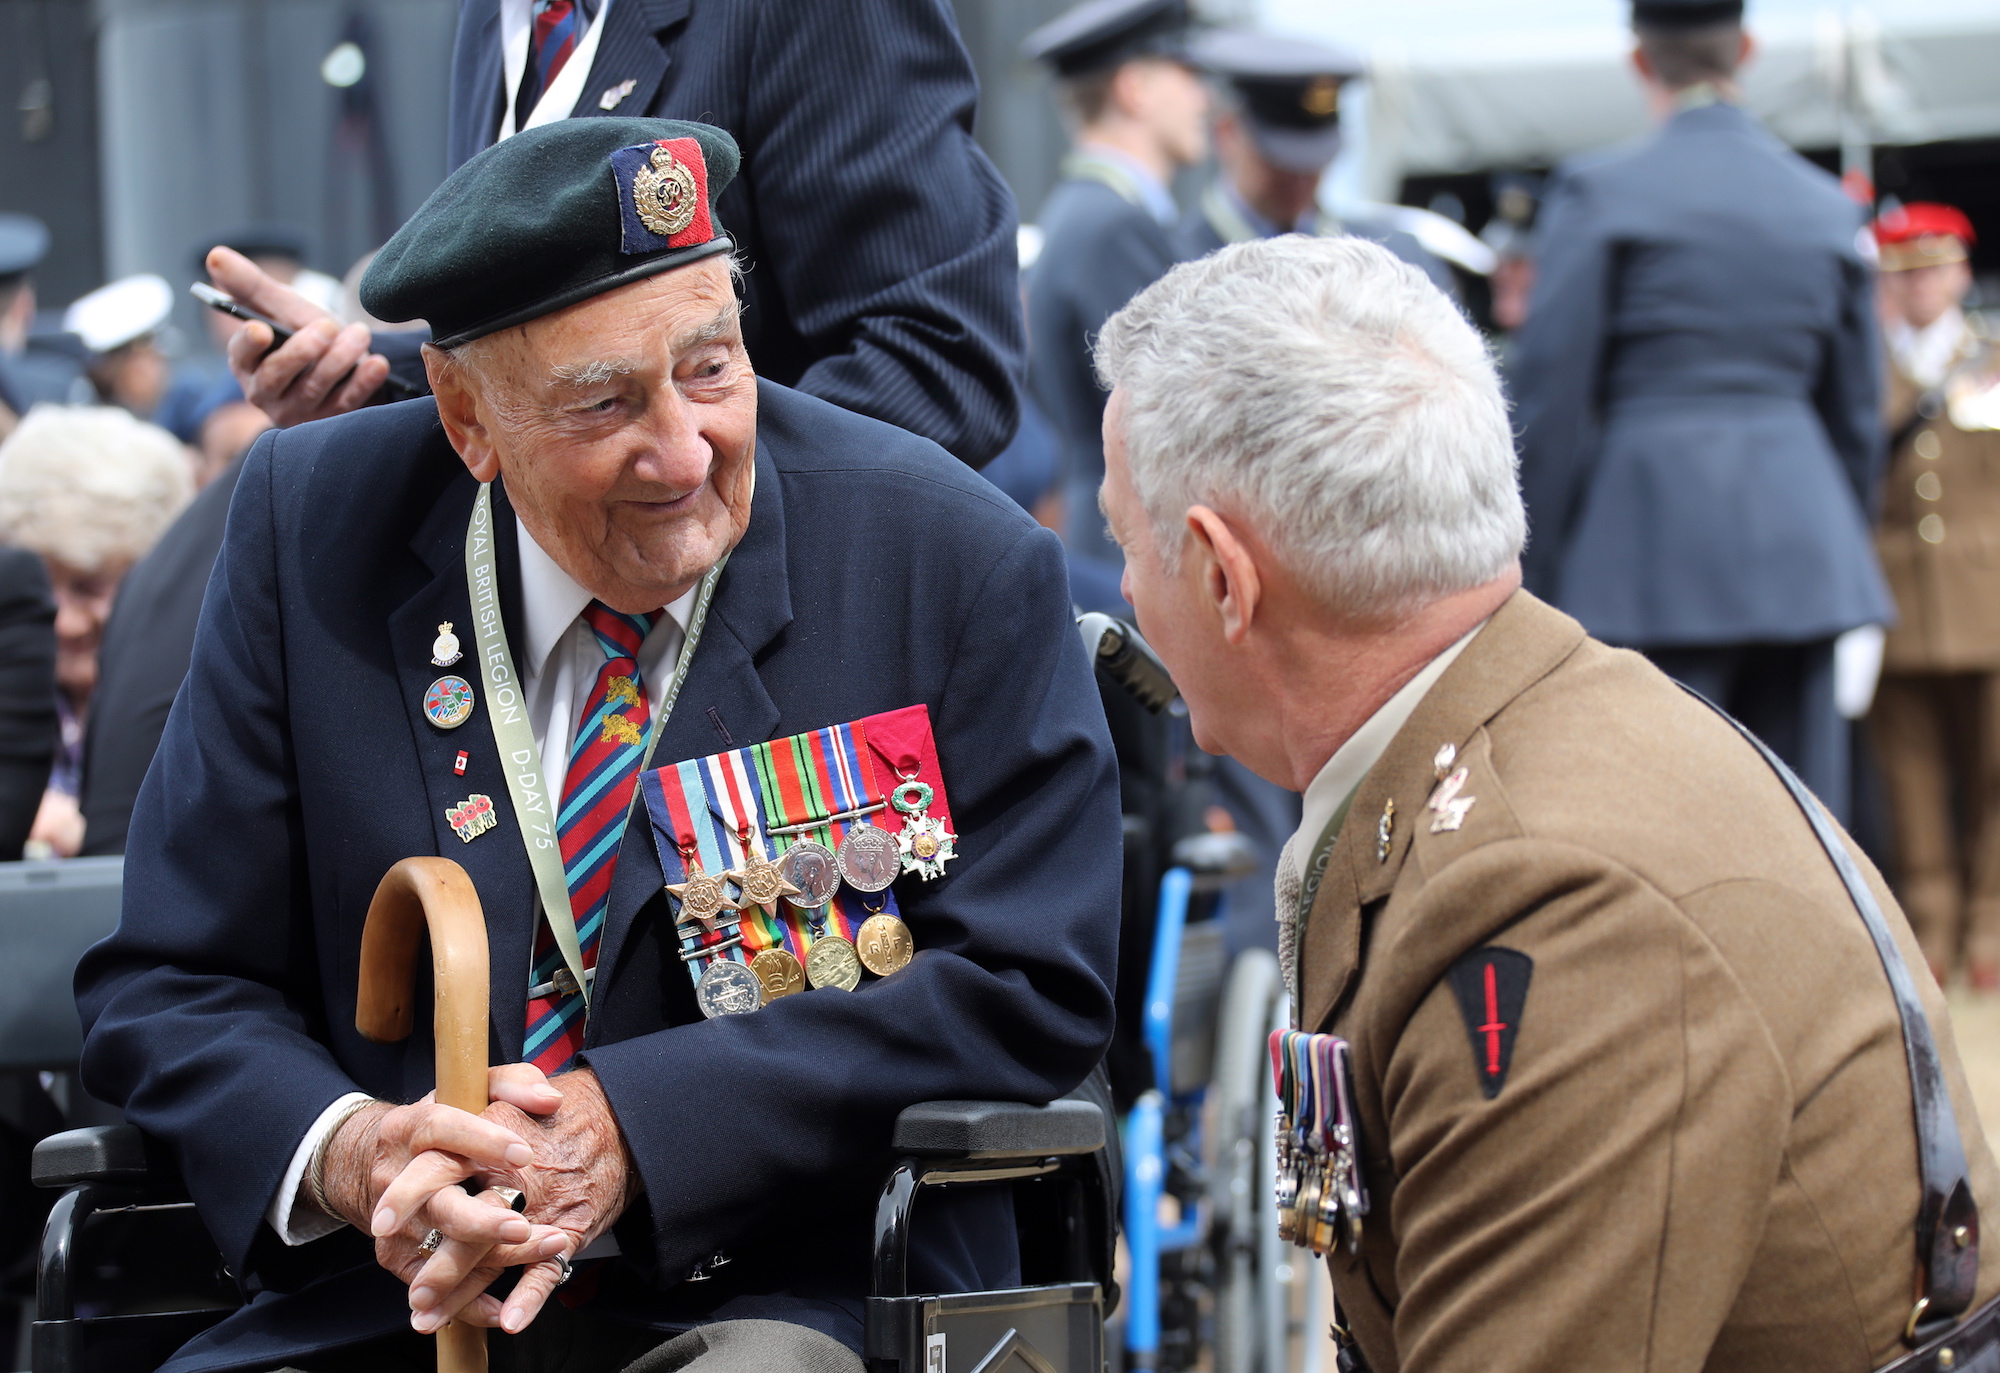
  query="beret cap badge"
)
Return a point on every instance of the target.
[{"x": 664, "y": 194}]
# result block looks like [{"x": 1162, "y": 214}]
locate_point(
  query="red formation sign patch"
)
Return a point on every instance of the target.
[{"x": 1492, "y": 989}]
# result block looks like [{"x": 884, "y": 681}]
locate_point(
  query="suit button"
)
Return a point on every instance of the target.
[
  {"x": 1927, "y": 445},
  {"x": 1931, "y": 529},
  {"x": 1929, "y": 487}
]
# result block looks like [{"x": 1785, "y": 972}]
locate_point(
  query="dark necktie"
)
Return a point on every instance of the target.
[{"x": 555, "y": 27}]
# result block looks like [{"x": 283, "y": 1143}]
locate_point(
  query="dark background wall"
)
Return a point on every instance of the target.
[{"x": 48, "y": 135}]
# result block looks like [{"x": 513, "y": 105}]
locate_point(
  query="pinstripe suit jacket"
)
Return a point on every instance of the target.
[{"x": 879, "y": 238}]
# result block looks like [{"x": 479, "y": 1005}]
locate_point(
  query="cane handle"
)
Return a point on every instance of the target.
[{"x": 434, "y": 894}]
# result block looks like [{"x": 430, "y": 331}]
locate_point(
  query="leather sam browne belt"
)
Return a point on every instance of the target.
[{"x": 1947, "y": 1217}]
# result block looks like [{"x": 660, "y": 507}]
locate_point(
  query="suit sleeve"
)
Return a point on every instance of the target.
[
  {"x": 1848, "y": 395},
  {"x": 1601, "y": 1210},
  {"x": 891, "y": 235},
  {"x": 207, "y": 990},
  {"x": 27, "y": 694},
  {"x": 1556, "y": 371},
  {"x": 1008, "y": 998}
]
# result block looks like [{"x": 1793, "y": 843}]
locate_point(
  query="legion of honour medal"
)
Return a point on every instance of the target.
[{"x": 925, "y": 845}]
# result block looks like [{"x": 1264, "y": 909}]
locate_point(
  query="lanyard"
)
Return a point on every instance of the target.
[
  {"x": 1310, "y": 877},
  {"x": 506, "y": 707}
]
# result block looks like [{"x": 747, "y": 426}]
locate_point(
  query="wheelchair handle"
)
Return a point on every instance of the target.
[
  {"x": 432, "y": 893},
  {"x": 1118, "y": 648}
]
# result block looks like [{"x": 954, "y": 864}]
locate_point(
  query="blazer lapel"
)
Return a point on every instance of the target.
[
  {"x": 631, "y": 50},
  {"x": 722, "y": 703},
  {"x": 496, "y": 861}
]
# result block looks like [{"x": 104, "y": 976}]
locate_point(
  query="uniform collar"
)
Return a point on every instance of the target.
[
  {"x": 1145, "y": 190},
  {"x": 1364, "y": 748},
  {"x": 551, "y": 600},
  {"x": 1522, "y": 643},
  {"x": 1926, "y": 355}
]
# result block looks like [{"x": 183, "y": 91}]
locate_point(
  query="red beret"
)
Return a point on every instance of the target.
[{"x": 1923, "y": 234}]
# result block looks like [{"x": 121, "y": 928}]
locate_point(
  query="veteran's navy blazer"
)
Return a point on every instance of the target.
[
  {"x": 879, "y": 238},
  {"x": 298, "y": 765},
  {"x": 1697, "y": 389}
]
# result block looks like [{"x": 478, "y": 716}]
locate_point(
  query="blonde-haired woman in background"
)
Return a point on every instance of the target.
[{"x": 90, "y": 489}]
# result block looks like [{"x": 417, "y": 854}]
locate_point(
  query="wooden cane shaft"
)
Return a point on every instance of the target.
[{"x": 434, "y": 894}]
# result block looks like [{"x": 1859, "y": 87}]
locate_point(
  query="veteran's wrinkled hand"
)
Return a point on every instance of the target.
[
  {"x": 303, "y": 380},
  {"x": 395, "y": 1171}
]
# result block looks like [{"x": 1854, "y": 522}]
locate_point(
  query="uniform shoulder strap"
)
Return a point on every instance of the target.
[{"x": 1948, "y": 1217}]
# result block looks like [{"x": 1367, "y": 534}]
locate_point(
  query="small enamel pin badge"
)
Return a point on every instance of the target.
[
  {"x": 1447, "y": 806},
  {"x": 444, "y": 648},
  {"x": 448, "y": 704},
  {"x": 472, "y": 817},
  {"x": 614, "y": 94},
  {"x": 1385, "y": 830}
]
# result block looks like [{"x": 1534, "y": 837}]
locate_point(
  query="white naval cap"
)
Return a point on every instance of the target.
[{"x": 117, "y": 314}]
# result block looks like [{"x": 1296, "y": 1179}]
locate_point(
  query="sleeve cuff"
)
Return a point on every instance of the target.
[{"x": 291, "y": 1214}]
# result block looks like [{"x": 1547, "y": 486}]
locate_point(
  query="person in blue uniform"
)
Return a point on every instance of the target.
[
  {"x": 27, "y": 377},
  {"x": 878, "y": 237},
  {"x": 1698, "y": 395},
  {"x": 1136, "y": 112},
  {"x": 1276, "y": 131},
  {"x": 660, "y": 518}
]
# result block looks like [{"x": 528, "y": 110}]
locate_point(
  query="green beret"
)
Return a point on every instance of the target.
[{"x": 552, "y": 216}]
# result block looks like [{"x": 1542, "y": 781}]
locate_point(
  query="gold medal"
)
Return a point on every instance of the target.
[
  {"x": 832, "y": 962},
  {"x": 779, "y": 972},
  {"x": 883, "y": 944}
]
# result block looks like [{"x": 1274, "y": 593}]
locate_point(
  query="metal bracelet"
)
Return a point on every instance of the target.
[{"x": 824, "y": 821}]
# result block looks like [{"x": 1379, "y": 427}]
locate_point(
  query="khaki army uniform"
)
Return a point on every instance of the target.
[
  {"x": 1936, "y": 719},
  {"x": 1699, "y": 1153}
]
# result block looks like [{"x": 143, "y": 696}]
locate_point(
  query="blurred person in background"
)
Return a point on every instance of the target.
[
  {"x": 119, "y": 324},
  {"x": 879, "y": 238},
  {"x": 1699, "y": 401},
  {"x": 1276, "y": 131},
  {"x": 89, "y": 489},
  {"x": 25, "y": 378},
  {"x": 1936, "y": 719},
  {"x": 1510, "y": 234}
]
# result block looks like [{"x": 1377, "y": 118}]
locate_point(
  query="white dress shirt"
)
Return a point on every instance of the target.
[
  {"x": 1336, "y": 781},
  {"x": 559, "y": 100},
  {"x": 558, "y": 657},
  {"x": 1927, "y": 355}
]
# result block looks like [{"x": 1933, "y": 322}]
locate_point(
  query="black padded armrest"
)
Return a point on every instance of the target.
[
  {"x": 97, "y": 1153},
  {"x": 999, "y": 1129}
]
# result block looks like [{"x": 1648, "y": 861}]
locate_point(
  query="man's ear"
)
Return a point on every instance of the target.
[
  {"x": 458, "y": 411},
  {"x": 1745, "y": 50},
  {"x": 1642, "y": 64},
  {"x": 1227, "y": 570}
]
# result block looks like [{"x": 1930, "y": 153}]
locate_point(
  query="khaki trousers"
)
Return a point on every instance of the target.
[
  {"x": 559, "y": 1342},
  {"x": 1938, "y": 737}
]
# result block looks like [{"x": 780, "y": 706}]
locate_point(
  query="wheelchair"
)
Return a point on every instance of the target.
[{"x": 127, "y": 1274}]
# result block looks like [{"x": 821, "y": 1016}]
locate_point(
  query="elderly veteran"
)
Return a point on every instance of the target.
[
  {"x": 1629, "y": 1082},
  {"x": 654, "y": 507}
]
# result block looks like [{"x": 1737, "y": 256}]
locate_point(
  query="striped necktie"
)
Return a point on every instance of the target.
[
  {"x": 555, "y": 27},
  {"x": 603, "y": 765}
]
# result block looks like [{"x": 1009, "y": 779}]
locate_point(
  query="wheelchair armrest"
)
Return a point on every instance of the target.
[
  {"x": 999, "y": 1129},
  {"x": 98, "y": 1153}
]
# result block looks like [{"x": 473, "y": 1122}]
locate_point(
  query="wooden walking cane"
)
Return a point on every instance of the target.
[{"x": 433, "y": 892}]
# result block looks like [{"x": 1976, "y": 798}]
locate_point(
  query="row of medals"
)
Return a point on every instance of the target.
[
  {"x": 1319, "y": 1194},
  {"x": 807, "y": 875}
]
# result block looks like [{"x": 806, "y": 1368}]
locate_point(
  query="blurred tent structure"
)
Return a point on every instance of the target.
[{"x": 1469, "y": 85}]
